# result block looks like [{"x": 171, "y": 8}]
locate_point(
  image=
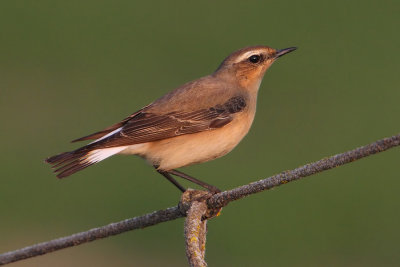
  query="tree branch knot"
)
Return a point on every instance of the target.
[{"x": 191, "y": 195}]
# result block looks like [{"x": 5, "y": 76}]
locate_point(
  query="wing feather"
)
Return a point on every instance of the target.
[
  {"x": 148, "y": 127},
  {"x": 143, "y": 127}
]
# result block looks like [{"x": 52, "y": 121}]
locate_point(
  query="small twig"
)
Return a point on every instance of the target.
[
  {"x": 217, "y": 201},
  {"x": 195, "y": 234}
]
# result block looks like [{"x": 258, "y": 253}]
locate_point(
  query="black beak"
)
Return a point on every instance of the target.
[{"x": 284, "y": 51}]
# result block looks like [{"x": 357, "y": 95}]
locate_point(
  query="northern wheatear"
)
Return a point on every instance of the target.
[{"x": 200, "y": 121}]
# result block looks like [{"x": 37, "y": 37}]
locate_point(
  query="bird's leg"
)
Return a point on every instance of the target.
[
  {"x": 170, "y": 178},
  {"x": 209, "y": 187}
]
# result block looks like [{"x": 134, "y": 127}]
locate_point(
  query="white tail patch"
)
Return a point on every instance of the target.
[{"x": 103, "y": 153}]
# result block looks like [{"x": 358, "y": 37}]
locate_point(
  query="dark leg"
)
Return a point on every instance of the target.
[
  {"x": 209, "y": 187},
  {"x": 171, "y": 179}
]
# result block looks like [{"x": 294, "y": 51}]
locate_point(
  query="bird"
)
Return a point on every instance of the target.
[{"x": 197, "y": 122}]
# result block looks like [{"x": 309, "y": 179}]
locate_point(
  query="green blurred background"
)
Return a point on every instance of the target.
[{"x": 69, "y": 68}]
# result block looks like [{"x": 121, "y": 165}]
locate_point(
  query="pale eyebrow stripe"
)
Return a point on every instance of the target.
[{"x": 248, "y": 54}]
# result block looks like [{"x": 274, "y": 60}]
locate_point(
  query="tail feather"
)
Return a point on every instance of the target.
[
  {"x": 68, "y": 163},
  {"x": 73, "y": 169}
]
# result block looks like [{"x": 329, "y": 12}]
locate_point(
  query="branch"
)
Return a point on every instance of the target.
[
  {"x": 92, "y": 234},
  {"x": 216, "y": 202},
  {"x": 196, "y": 226},
  {"x": 223, "y": 198}
]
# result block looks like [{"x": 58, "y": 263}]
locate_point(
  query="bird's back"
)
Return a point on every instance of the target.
[{"x": 199, "y": 94}]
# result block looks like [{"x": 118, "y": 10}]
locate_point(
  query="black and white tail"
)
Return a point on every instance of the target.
[{"x": 67, "y": 163}]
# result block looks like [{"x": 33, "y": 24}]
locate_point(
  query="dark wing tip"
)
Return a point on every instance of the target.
[
  {"x": 79, "y": 139},
  {"x": 102, "y": 133},
  {"x": 89, "y": 137}
]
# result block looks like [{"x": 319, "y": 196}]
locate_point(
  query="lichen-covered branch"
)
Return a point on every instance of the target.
[
  {"x": 214, "y": 203},
  {"x": 195, "y": 231}
]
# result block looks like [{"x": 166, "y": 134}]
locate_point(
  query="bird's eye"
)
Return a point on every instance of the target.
[{"x": 255, "y": 58}]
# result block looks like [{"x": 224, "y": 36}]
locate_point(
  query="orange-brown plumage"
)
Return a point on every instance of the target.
[{"x": 199, "y": 121}]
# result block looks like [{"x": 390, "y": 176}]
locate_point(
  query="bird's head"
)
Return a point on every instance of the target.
[{"x": 247, "y": 66}]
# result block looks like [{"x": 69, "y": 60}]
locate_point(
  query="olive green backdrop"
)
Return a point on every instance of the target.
[{"x": 68, "y": 68}]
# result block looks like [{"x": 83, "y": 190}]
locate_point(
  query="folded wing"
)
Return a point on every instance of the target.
[{"x": 143, "y": 127}]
